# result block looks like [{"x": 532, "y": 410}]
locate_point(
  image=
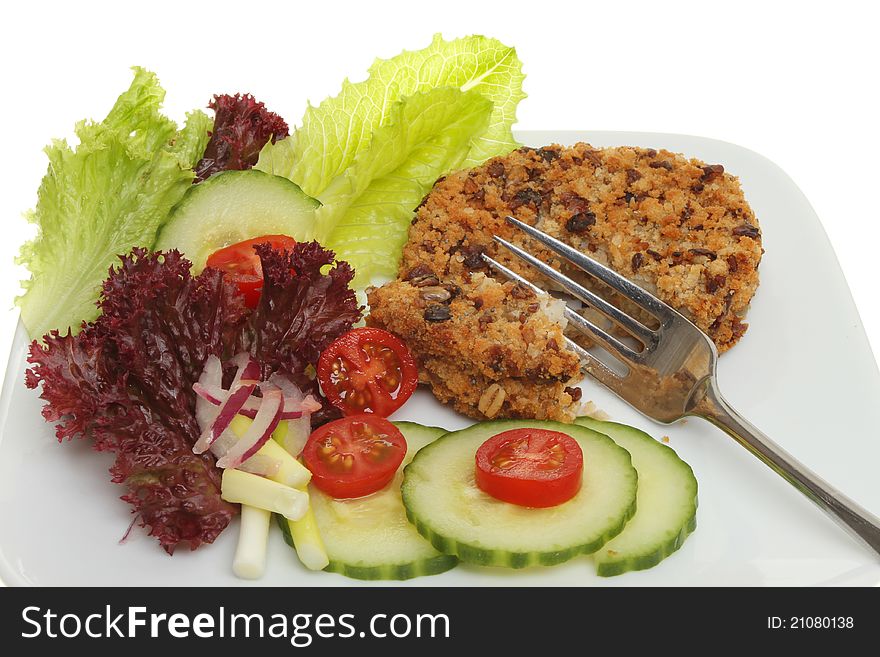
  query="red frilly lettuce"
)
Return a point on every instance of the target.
[
  {"x": 242, "y": 126},
  {"x": 125, "y": 381}
]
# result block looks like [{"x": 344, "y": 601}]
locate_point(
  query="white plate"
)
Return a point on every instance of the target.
[{"x": 804, "y": 373}]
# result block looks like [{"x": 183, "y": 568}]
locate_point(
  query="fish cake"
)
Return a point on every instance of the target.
[
  {"x": 678, "y": 227},
  {"x": 488, "y": 348}
]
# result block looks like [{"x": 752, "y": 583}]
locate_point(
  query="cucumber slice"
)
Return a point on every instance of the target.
[
  {"x": 666, "y": 499},
  {"x": 233, "y": 206},
  {"x": 458, "y": 518},
  {"x": 369, "y": 537}
]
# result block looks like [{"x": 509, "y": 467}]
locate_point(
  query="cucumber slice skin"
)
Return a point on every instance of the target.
[
  {"x": 233, "y": 206},
  {"x": 478, "y": 556},
  {"x": 474, "y": 554},
  {"x": 439, "y": 564},
  {"x": 416, "y": 436},
  {"x": 636, "y": 441}
]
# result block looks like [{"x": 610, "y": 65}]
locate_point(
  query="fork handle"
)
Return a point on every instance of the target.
[{"x": 860, "y": 522}]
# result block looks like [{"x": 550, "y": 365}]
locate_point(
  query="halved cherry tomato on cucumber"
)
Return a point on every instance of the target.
[
  {"x": 354, "y": 456},
  {"x": 367, "y": 370},
  {"x": 530, "y": 467},
  {"x": 242, "y": 265}
]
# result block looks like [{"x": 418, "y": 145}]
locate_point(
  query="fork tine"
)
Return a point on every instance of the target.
[
  {"x": 597, "y": 369},
  {"x": 589, "y": 362},
  {"x": 642, "y": 333},
  {"x": 608, "y": 276},
  {"x": 584, "y": 325}
]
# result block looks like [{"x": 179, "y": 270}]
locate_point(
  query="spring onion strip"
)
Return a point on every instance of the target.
[
  {"x": 308, "y": 542},
  {"x": 254, "y": 490},
  {"x": 249, "y": 561}
]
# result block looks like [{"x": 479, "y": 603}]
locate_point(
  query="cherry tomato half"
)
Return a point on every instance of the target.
[
  {"x": 354, "y": 456},
  {"x": 530, "y": 467},
  {"x": 367, "y": 370},
  {"x": 242, "y": 264}
]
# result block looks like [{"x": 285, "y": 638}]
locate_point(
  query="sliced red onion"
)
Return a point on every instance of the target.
[
  {"x": 310, "y": 405},
  {"x": 216, "y": 407},
  {"x": 228, "y": 410},
  {"x": 293, "y": 409},
  {"x": 213, "y": 394},
  {"x": 261, "y": 429},
  {"x": 294, "y": 406},
  {"x": 244, "y": 383},
  {"x": 285, "y": 415},
  {"x": 222, "y": 445},
  {"x": 260, "y": 464},
  {"x": 298, "y": 430},
  {"x": 211, "y": 376},
  {"x": 248, "y": 369},
  {"x": 287, "y": 387}
]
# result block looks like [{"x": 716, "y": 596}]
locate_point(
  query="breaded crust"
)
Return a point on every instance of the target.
[
  {"x": 489, "y": 349},
  {"x": 680, "y": 228}
]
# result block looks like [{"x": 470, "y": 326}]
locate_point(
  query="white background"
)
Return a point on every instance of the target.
[{"x": 796, "y": 82}]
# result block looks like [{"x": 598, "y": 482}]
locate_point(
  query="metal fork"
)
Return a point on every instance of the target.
[{"x": 673, "y": 375}]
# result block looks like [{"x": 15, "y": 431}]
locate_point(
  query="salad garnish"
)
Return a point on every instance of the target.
[
  {"x": 530, "y": 467},
  {"x": 242, "y": 126},
  {"x": 242, "y": 264},
  {"x": 102, "y": 197},
  {"x": 373, "y": 151},
  {"x": 354, "y": 456},
  {"x": 367, "y": 370},
  {"x": 302, "y": 309},
  {"x": 369, "y": 155},
  {"x": 126, "y": 381}
]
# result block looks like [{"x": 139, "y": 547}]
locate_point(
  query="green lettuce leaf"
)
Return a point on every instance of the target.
[
  {"x": 475, "y": 63},
  {"x": 189, "y": 144},
  {"x": 370, "y": 204},
  {"x": 341, "y": 151},
  {"x": 100, "y": 199}
]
